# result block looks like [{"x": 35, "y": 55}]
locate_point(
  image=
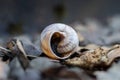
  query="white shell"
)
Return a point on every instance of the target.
[{"x": 65, "y": 41}]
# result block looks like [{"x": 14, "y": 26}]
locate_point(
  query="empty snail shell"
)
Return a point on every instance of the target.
[{"x": 59, "y": 41}]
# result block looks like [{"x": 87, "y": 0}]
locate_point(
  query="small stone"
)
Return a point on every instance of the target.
[
  {"x": 4, "y": 70},
  {"x": 28, "y": 46},
  {"x": 16, "y": 70},
  {"x": 43, "y": 63},
  {"x": 31, "y": 74},
  {"x": 111, "y": 74}
]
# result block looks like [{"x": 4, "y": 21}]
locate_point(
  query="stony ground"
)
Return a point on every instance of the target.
[{"x": 91, "y": 35}]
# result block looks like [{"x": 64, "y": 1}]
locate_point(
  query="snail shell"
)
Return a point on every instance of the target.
[{"x": 59, "y": 41}]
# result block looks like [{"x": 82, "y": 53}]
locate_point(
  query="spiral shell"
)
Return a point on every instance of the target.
[{"x": 59, "y": 41}]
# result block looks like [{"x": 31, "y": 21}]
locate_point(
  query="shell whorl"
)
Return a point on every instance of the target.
[{"x": 59, "y": 41}]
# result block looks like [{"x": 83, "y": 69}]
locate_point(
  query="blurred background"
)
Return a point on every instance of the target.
[
  {"x": 31, "y": 16},
  {"x": 97, "y": 23}
]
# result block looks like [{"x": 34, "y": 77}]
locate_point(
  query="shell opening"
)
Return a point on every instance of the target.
[{"x": 55, "y": 40}]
